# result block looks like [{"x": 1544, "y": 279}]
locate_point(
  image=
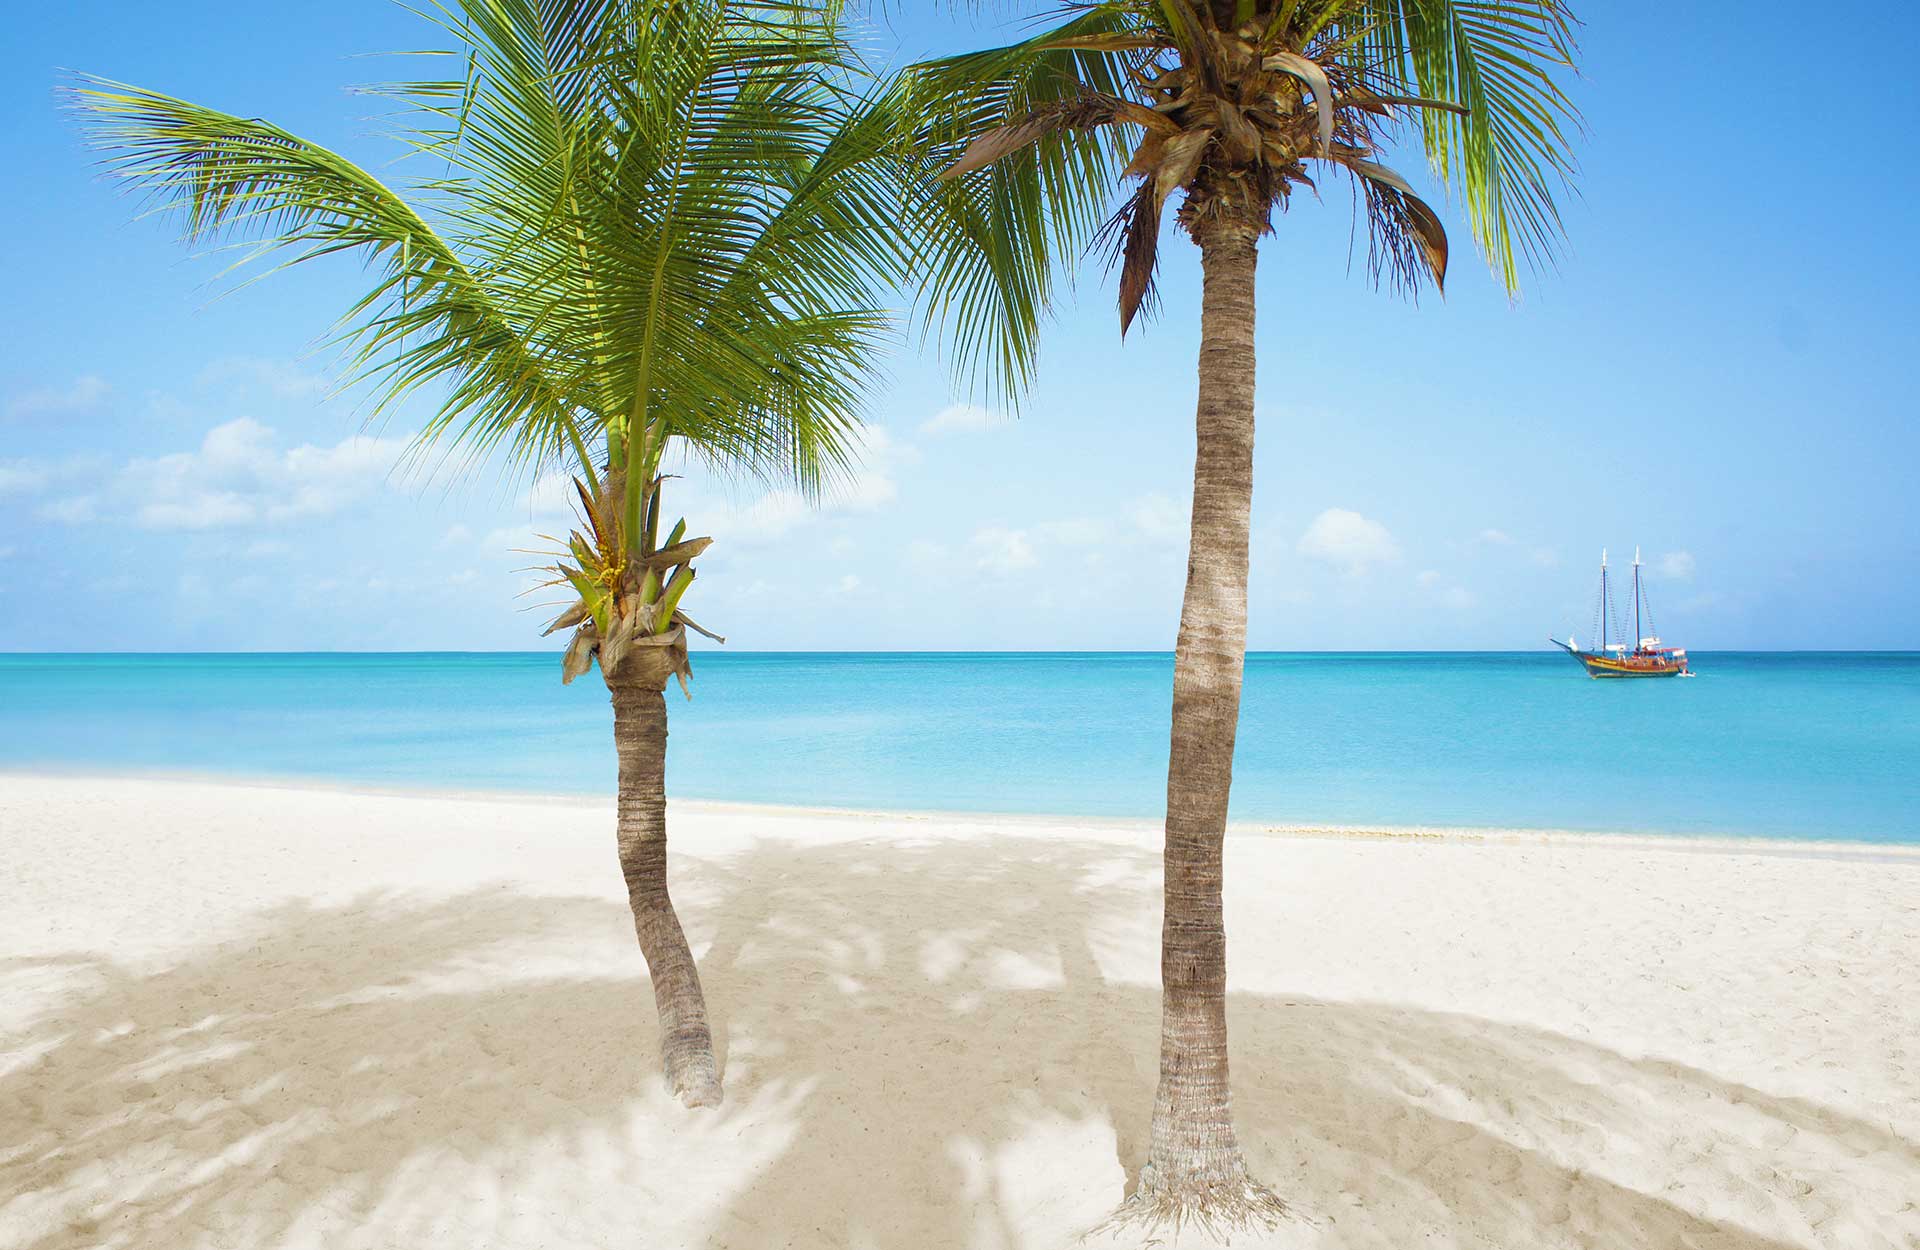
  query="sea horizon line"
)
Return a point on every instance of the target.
[{"x": 723, "y": 651}]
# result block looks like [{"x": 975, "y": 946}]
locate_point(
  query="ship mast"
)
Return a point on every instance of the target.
[
  {"x": 1636, "y": 599},
  {"x": 1605, "y": 601}
]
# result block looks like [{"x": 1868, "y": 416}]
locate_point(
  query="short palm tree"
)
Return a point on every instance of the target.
[
  {"x": 643, "y": 231},
  {"x": 1232, "y": 104}
]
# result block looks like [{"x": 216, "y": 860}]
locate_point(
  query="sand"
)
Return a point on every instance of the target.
[{"x": 236, "y": 1016}]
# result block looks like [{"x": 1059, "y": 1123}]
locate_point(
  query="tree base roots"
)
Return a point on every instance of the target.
[{"x": 1217, "y": 1211}]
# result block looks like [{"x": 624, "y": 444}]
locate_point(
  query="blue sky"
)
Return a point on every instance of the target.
[{"x": 1721, "y": 370}]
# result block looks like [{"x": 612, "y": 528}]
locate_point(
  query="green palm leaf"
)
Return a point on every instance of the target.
[{"x": 636, "y": 229}]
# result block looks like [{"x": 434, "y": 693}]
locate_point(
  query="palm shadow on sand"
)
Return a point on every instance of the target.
[{"x": 909, "y": 1030}]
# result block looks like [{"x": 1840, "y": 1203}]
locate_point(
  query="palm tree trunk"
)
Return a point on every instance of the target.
[
  {"x": 686, "y": 1042},
  {"x": 1194, "y": 1163}
]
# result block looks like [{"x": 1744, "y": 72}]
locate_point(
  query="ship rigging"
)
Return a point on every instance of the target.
[{"x": 1646, "y": 657}]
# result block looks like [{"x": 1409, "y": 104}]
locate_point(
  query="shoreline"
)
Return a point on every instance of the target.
[{"x": 987, "y": 822}]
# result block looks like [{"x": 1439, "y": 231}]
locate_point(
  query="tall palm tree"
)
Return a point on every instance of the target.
[
  {"x": 643, "y": 231},
  {"x": 1232, "y": 104}
]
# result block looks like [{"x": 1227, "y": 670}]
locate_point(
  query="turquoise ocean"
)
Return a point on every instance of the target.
[{"x": 1787, "y": 745}]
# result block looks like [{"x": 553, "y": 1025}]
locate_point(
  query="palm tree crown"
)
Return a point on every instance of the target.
[
  {"x": 640, "y": 228},
  {"x": 1234, "y": 102}
]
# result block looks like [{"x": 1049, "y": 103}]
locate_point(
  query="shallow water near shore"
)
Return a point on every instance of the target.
[{"x": 1794, "y": 745}]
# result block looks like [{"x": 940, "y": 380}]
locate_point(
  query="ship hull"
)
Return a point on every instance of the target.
[
  {"x": 1599, "y": 666},
  {"x": 1612, "y": 666}
]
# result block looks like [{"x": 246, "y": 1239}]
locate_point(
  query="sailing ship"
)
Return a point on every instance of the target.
[{"x": 1647, "y": 657}]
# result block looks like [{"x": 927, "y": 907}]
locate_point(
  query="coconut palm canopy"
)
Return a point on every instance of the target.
[
  {"x": 1238, "y": 103},
  {"x": 632, "y": 228}
]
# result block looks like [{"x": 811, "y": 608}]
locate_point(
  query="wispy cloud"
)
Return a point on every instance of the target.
[
  {"x": 1344, "y": 540},
  {"x": 76, "y": 510},
  {"x": 997, "y": 549},
  {"x": 1677, "y": 566},
  {"x": 80, "y": 395},
  {"x": 21, "y": 477},
  {"x": 237, "y": 476},
  {"x": 1073, "y": 532},
  {"x": 282, "y": 379},
  {"x": 927, "y": 555},
  {"x": 1448, "y": 594},
  {"x": 961, "y": 418},
  {"x": 1160, "y": 516},
  {"x": 1539, "y": 556}
]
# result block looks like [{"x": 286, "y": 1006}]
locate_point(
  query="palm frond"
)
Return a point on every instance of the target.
[
  {"x": 1502, "y": 139},
  {"x": 995, "y": 243},
  {"x": 429, "y": 317},
  {"x": 637, "y": 228}
]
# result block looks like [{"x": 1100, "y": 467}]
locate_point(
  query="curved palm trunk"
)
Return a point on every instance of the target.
[
  {"x": 686, "y": 1042},
  {"x": 1194, "y": 1166}
]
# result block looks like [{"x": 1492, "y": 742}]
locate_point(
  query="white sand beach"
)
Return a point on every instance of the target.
[{"x": 251, "y": 1016}]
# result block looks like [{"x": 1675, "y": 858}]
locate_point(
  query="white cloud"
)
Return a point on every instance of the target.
[
  {"x": 1450, "y": 595},
  {"x": 848, "y": 583},
  {"x": 1073, "y": 532},
  {"x": 1345, "y": 540},
  {"x": 1541, "y": 557},
  {"x": 1160, "y": 516},
  {"x": 21, "y": 477},
  {"x": 200, "y": 511},
  {"x": 280, "y": 378},
  {"x": 925, "y": 554},
  {"x": 76, "y": 510},
  {"x": 997, "y": 549},
  {"x": 961, "y": 418},
  {"x": 507, "y": 541},
  {"x": 237, "y": 476},
  {"x": 81, "y": 394},
  {"x": 1677, "y": 566},
  {"x": 456, "y": 536}
]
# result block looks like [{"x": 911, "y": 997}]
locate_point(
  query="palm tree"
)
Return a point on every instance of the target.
[
  {"x": 651, "y": 231},
  {"x": 1233, "y": 104}
]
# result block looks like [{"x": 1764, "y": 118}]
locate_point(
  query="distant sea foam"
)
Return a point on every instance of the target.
[{"x": 1792, "y": 745}]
